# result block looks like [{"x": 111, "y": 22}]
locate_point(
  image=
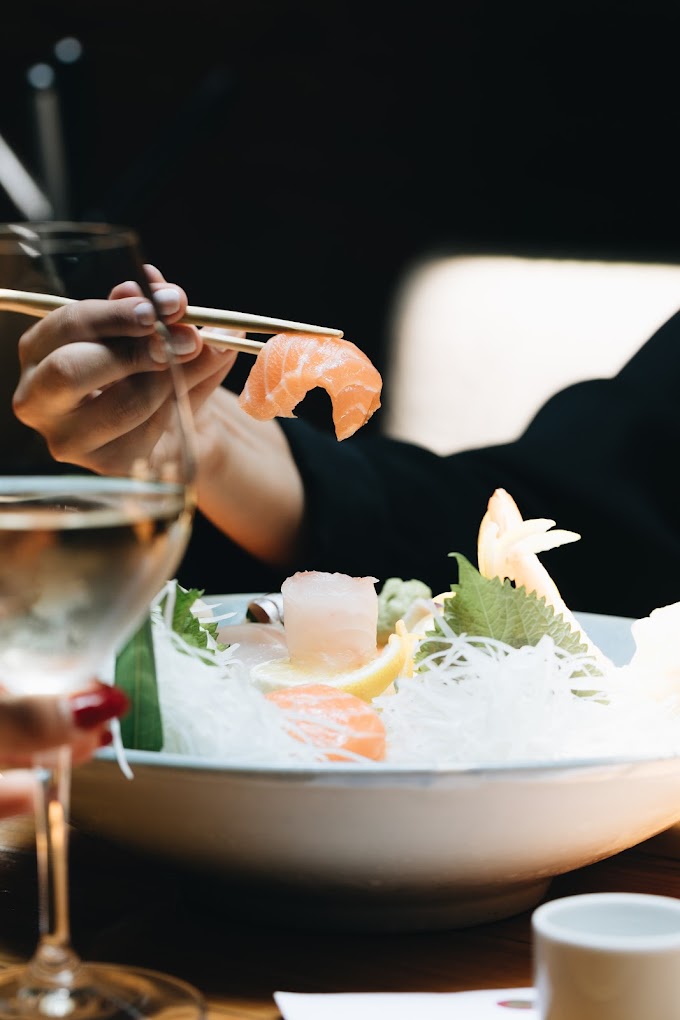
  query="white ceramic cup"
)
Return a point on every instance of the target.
[{"x": 607, "y": 956}]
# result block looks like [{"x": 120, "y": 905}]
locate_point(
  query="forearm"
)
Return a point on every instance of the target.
[{"x": 248, "y": 484}]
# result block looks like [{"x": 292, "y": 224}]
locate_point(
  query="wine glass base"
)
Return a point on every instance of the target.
[{"x": 102, "y": 992}]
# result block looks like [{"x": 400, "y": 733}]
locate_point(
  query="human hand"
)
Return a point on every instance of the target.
[
  {"x": 31, "y": 724},
  {"x": 94, "y": 375}
]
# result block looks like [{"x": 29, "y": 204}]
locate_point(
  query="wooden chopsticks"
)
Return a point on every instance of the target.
[{"x": 39, "y": 305}]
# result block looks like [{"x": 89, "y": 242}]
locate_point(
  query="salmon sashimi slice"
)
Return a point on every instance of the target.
[
  {"x": 288, "y": 367},
  {"x": 337, "y": 722}
]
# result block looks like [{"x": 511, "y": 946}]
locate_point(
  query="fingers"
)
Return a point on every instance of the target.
[
  {"x": 64, "y": 361},
  {"x": 34, "y": 723},
  {"x": 75, "y": 426},
  {"x": 93, "y": 379},
  {"x": 91, "y": 321},
  {"x": 118, "y": 427},
  {"x": 170, "y": 298},
  {"x": 126, "y": 313},
  {"x": 135, "y": 411},
  {"x": 31, "y": 724},
  {"x": 85, "y": 397}
]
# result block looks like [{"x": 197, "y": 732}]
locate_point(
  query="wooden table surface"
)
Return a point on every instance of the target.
[{"x": 130, "y": 910}]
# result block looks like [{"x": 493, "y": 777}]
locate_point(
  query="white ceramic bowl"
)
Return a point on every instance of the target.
[{"x": 386, "y": 848}]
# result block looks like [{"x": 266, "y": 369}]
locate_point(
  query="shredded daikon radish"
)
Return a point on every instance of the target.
[
  {"x": 480, "y": 700},
  {"x": 475, "y": 700}
]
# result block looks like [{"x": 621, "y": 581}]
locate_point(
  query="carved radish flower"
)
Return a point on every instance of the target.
[{"x": 507, "y": 546}]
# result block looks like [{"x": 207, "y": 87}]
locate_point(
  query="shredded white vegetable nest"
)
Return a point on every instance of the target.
[
  {"x": 485, "y": 701},
  {"x": 209, "y": 709},
  {"x": 481, "y": 701}
]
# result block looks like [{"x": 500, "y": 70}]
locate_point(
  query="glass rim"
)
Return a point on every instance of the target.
[{"x": 65, "y": 234}]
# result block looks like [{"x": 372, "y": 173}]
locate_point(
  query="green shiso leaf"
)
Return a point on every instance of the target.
[
  {"x": 194, "y": 632},
  {"x": 135, "y": 672},
  {"x": 490, "y": 608},
  {"x": 142, "y": 728}
]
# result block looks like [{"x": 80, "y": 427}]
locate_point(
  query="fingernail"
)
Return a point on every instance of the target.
[
  {"x": 106, "y": 738},
  {"x": 182, "y": 343},
  {"x": 90, "y": 708},
  {"x": 167, "y": 300},
  {"x": 145, "y": 313},
  {"x": 158, "y": 350}
]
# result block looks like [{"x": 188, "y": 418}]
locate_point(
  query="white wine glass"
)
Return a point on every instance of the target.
[{"x": 82, "y": 555}]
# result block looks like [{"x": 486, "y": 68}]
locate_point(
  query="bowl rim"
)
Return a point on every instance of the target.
[{"x": 379, "y": 770}]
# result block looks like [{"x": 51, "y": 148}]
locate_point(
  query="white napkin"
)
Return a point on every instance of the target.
[{"x": 487, "y": 1004}]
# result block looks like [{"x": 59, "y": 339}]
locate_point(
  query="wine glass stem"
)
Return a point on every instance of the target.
[{"x": 54, "y": 960}]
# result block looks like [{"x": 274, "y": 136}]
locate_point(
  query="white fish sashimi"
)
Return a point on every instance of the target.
[
  {"x": 330, "y": 620},
  {"x": 253, "y": 643}
]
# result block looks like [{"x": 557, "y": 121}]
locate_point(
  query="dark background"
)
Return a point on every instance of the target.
[{"x": 295, "y": 158}]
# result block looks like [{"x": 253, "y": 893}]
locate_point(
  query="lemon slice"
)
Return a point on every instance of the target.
[{"x": 366, "y": 682}]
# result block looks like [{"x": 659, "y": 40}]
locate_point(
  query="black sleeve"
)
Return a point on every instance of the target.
[{"x": 600, "y": 458}]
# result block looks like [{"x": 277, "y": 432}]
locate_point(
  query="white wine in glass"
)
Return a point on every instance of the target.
[{"x": 82, "y": 554}]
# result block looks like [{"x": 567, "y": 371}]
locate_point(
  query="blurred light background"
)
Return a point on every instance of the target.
[{"x": 304, "y": 159}]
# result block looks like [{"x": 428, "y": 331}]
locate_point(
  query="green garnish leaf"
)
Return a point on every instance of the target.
[
  {"x": 135, "y": 673},
  {"x": 490, "y": 608},
  {"x": 193, "y": 631},
  {"x": 142, "y": 728}
]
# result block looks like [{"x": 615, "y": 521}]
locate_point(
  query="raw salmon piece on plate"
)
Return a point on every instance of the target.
[
  {"x": 288, "y": 367},
  {"x": 339, "y": 723}
]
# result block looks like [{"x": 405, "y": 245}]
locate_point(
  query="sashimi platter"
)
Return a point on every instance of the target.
[{"x": 385, "y": 757}]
